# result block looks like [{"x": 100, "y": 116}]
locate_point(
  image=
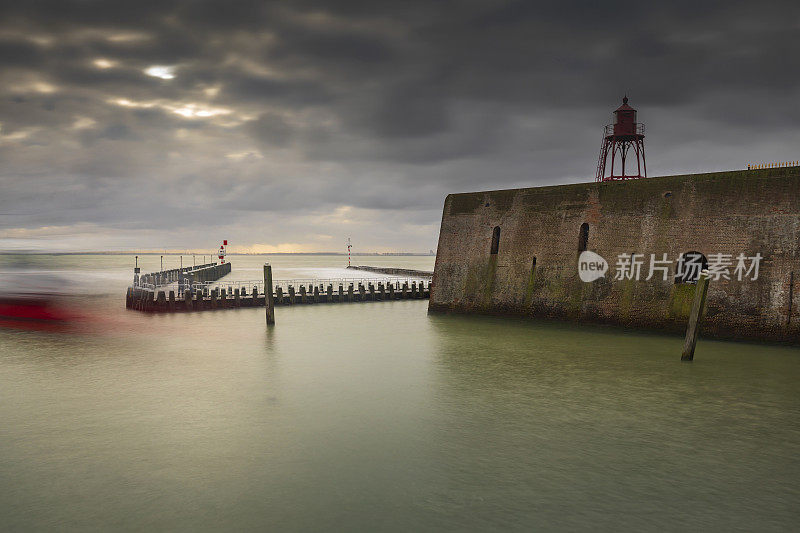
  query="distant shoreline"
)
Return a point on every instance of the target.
[{"x": 373, "y": 254}]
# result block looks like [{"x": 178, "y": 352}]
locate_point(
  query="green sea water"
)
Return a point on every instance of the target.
[{"x": 380, "y": 417}]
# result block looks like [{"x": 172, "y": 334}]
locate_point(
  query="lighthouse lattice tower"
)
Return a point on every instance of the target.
[{"x": 622, "y": 140}]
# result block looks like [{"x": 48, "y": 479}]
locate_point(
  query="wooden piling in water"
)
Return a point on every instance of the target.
[
  {"x": 269, "y": 303},
  {"x": 161, "y": 301},
  {"x": 700, "y": 291}
]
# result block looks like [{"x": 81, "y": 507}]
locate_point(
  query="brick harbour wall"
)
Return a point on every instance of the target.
[{"x": 535, "y": 270}]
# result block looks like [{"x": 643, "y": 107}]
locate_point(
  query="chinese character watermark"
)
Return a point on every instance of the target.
[
  {"x": 635, "y": 266},
  {"x": 629, "y": 266}
]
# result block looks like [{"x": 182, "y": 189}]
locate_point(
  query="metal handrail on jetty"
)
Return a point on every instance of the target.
[{"x": 198, "y": 273}]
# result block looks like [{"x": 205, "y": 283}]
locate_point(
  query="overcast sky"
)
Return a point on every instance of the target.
[{"x": 290, "y": 126}]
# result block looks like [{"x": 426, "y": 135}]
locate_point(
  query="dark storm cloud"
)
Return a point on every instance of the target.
[{"x": 304, "y": 108}]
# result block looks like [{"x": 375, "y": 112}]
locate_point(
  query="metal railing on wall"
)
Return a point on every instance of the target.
[{"x": 776, "y": 164}]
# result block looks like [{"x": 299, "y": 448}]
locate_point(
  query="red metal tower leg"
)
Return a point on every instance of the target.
[
  {"x": 644, "y": 163},
  {"x": 623, "y": 152},
  {"x": 613, "y": 156}
]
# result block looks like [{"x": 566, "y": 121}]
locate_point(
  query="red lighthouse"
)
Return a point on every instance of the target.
[{"x": 623, "y": 138}]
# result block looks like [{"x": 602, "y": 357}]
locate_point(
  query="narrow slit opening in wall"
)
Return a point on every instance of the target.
[
  {"x": 495, "y": 240},
  {"x": 583, "y": 240}
]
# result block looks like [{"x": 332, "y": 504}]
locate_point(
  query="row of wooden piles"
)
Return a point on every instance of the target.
[{"x": 166, "y": 301}]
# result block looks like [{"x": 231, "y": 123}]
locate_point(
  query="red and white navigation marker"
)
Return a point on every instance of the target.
[{"x": 222, "y": 251}]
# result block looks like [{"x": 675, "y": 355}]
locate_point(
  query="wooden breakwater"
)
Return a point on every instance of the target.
[
  {"x": 169, "y": 300},
  {"x": 185, "y": 275},
  {"x": 391, "y": 271}
]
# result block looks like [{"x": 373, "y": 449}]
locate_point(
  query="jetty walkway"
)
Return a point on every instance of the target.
[
  {"x": 199, "y": 288},
  {"x": 186, "y": 275},
  {"x": 234, "y": 294},
  {"x": 395, "y": 271}
]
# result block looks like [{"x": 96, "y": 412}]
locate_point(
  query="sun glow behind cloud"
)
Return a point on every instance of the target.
[
  {"x": 161, "y": 71},
  {"x": 104, "y": 63},
  {"x": 186, "y": 110},
  {"x": 198, "y": 110}
]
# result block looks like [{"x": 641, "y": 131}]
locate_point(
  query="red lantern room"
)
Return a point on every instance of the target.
[{"x": 623, "y": 138}]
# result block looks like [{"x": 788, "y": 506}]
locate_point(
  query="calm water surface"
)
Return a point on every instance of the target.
[{"x": 365, "y": 417}]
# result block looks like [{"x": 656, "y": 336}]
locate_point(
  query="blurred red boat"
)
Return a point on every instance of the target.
[{"x": 34, "y": 301}]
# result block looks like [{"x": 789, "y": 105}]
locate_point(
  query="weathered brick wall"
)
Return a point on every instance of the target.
[{"x": 726, "y": 212}]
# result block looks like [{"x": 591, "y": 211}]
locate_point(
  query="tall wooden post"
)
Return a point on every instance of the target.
[
  {"x": 694, "y": 317},
  {"x": 269, "y": 303}
]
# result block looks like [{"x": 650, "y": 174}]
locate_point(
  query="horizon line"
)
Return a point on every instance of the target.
[{"x": 110, "y": 252}]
